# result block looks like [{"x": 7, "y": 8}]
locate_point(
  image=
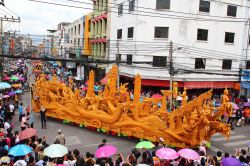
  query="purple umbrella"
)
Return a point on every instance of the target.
[
  {"x": 230, "y": 161},
  {"x": 247, "y": 105},
  {"x": 11, "y": 93},
  {"x": 22, "y": 79}
]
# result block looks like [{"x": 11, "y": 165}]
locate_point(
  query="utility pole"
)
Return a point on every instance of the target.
[
  {"x": 171, "y": 72},
  {"x": 117, "y": 63},
  {"x": 1, "y": 36}
]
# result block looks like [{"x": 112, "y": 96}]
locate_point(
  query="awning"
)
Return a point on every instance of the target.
[
  {"x": 160, "y": 83},
  {"x": 209, "y": 84}
]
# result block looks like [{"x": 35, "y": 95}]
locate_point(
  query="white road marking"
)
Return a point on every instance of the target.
[
  {"x": 230, "y": 138},
  {"x": 214, "y": 149},
  {"x": 237, "y": 143},
  {"x": 110, "y": 143},
  {"x": 72, "y": 140}
]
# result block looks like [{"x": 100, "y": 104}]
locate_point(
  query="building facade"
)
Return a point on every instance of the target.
[
  {"x": 100, "y": 32},
  {"x": 60, "y": 40},
  {"x": 209, "y": 39},
  {"x": 75, "y": 32}
]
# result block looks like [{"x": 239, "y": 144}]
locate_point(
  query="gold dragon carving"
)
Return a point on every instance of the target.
[{"x": 113, "y": 111}]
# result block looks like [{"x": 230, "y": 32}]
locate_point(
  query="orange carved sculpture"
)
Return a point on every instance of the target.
[{"x": 112, "y": 110}]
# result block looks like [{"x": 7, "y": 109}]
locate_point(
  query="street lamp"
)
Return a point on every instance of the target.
[{"x": 171, "y": 69}]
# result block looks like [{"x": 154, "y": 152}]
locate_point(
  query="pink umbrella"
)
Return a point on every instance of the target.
[
  {"x": 105, "y": 151},
  {"x": 6, "y": 78},
  {"x": 27, "y": 133},
  {"x": 6, "y": 96},
  {"x": 156, "y": 96},
  {"x": 235, "y": 106},
  {"x": 85, "y": 88},
  {"x": 167, "y": 154},
  {"x": 189, "y": 154}
]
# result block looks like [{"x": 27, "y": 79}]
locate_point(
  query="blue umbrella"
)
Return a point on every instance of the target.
[
  {"x": 4, "y": 85},
  {"x": 20, "y": 150},
  {"x": 18, "y": 91}
]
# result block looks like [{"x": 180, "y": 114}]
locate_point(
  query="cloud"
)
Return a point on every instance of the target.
[{"x": 36, "y": 18}]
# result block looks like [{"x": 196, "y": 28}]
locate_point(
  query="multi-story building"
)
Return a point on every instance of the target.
[
  {"x": 75, "y": 30},
  {"x": 60, "y": 39},
  {"x": 77, "y": 45},
  {"x": 209, "y": 39},
  {"x": 99, "y": 35}
]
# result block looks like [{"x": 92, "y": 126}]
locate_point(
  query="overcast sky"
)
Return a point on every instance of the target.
[{"x": 36, "y": 17}]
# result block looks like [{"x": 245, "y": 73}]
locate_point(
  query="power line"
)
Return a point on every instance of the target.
[
  {"x": 11, "y": 11},
  {"x": 148, "y": 15},
  {"x": 187, "y": 49},
  {"x": 155, "y": 10}
]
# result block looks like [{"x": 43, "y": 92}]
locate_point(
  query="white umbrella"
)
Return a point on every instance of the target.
[{"x": 55, "y": 150}]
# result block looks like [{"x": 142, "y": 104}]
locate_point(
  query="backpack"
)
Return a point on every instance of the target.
[{"x": 59, "y": 139}]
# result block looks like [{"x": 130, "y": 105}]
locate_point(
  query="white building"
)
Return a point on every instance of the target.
[
  {"x": 60, "y": 39},
  {"x": 208, "y": 36},
  {"x": 75, "y": 31}
]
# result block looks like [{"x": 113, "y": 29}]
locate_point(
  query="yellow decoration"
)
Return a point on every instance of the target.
[
  {"x": 184, "y": 97},
  {"x": 175, "y": 90},
  {"x": 113, "y": 111}
]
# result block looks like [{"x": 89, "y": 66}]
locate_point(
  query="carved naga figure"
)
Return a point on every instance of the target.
[{"x": 113, "y": 111}]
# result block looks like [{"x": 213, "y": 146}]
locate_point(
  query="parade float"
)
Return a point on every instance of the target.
[{"x": 113, "y": 111}]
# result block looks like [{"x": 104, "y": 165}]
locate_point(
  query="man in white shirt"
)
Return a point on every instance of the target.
[
  {"x": 6, "y": 126},
  {"x": 12, "y": 107},
  {"x": 20, "y": 162}
]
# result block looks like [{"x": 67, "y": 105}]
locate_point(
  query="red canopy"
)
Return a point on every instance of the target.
[
  {"x": 208, "y": 84},
  {"x": 156, "y": 96}
]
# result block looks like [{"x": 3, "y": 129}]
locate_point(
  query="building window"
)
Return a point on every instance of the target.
[
  {"x": 162, "y": 4},
  {"x": 229, "y": 37},
  {"x": 120, "y": 9},
  {"x": 161, "y": 32},
  {"x": 227, "y": 64},
  {"x": 79, "y": 42},
  {"x": 79, "y": 28},
  {"x": 129, "y": 59},
  {"x": 231, "y": 11},
  {"x": 75, "y": 30},
  {"x": 119, "y": 34},
  {"x": 248, "y": 65},
  {"x": 204, "y": 6},
  {"x": 200, "y": 63},
  {"x": 202, "y": 34},
  {"x": 118, "y": 57},
  {"x": 131, "y": 6},
  {"x": 131, "y": 32},
  {"x": 159, "y": 61}
]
